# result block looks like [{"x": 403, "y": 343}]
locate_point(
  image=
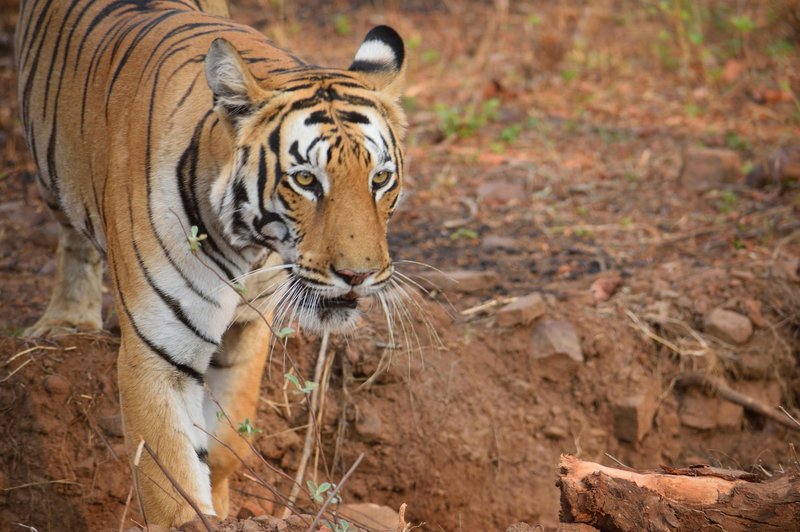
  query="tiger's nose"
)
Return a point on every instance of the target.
[{"x": 352, "y": 277}]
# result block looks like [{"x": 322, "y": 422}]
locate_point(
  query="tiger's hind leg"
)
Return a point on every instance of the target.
[
  {"x": 234, "y": 380},
  {"x": 76, "y": 299}
]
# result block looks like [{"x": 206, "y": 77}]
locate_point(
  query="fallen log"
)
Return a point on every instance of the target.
[{"x": 687, "y": 499}]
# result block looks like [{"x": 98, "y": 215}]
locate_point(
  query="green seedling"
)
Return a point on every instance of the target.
[{"x": 306, "y": 388}]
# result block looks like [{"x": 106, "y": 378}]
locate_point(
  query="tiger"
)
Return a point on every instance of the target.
[{"x": 204, "y": 165}]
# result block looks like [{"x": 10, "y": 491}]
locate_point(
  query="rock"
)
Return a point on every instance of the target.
[
  {"x": 753, "y": 310},
  {"x": 728, "y": 326},
  {"x": 111, "y": 425},
  {"x": 554, "y": 433},
  {"x": 196, "y": 525},
  {"x": 787, "y": 267},
  {"x": 464, "y": 281},
  {"x": 495, "y": 242},
  {"x": 633, "y": 415},
  {"x": 754, "y": 364},
  {"x": 370, "y": 515},
  {"x": 249, "y": 526},
  {"x": 57, "y": 385},
  {"x": 698, "y": 411},
  {"x": 575, "y": 527},
  {"x": 781, "y": 166},
  {"x": 522, "y": 311},
  {"x": 501, "y": 190},
  {"x": 729, "y": 415},
  {"x": 368, "y": 424},
  {"x": 556, "y": 348},
  {"x": 708, "y": 168},
  {"x": 604, "y": 287},
  {"x": 250, "y": 508}
]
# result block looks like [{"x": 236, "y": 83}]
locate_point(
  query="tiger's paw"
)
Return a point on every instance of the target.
[{"x": 49, "y": 328}]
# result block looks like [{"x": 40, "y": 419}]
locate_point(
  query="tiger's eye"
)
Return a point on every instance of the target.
[
  {"x": 304, "y": 179},
  {"x": 380, "y": 179}
]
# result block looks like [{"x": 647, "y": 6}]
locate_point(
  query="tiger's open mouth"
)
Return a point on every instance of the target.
[{"x": 346, "y": 301}]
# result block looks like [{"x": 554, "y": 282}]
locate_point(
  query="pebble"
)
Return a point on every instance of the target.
[
  {"x": 495, "y": 242},
  {"x": 57, "y": 385},
  {"x": 464, "y": 281},
  {"x": 501, "y": 191},
  {"x": 369, "y": 425},
  {"x": 728, "y": 326},
  {"x": 370, "y": 515},
  {"x": 522, "y": 311},
  {"x": 708, "y": 168},
  {"x": 556, "y": 349},
  {"x": 633, "y": 415}
]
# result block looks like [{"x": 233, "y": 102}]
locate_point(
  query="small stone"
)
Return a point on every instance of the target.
[
  {"x": 556, "y": 348},
  {"x": 604, "y": 287},
  {"x": 633, "y": 416},
  {"x": 781, "y": 166},
  {"x": 728, "y": 326},
  {"x": 729, "y": 415},
  {"x": 250, "y": 509},
  {"x": 370, "y": 515},
  {"x": 368, "y": 424},
  {"x": 57, "y": 385},
  {"x": 522, "y": 311},
  {"x": 501, "y": 191},
  {"x": 196, "y": 524},
  {"x": 708, "y": 168},
  {"x": 576, "y": 527},
  {"x": 495, "y": 242},
  {"x": 111, "y": 425},
  {"x": 464, "y": 281},
  {"x": 698, "y": 411},
  {"x": 554, "y": 433},
  {"x": 523, "y": 527},
  {"x": 249, "y": 526},
  {"x": 753, "y": 310}
]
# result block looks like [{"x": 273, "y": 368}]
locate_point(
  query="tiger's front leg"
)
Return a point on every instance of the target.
[{"x": 164, "y": 406}]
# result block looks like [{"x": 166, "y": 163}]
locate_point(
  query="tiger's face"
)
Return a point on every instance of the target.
[{"x": 316, "y": 173}]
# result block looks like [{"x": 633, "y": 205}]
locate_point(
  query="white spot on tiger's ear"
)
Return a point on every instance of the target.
[
  {"x": 229, "y": 78},
  {"x": 377, "y": 52}
]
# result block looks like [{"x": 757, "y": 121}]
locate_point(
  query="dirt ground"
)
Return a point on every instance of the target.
[{"x": 553, "y": 146}]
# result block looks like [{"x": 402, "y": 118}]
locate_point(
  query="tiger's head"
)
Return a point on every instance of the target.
[{"x": 316, "y": 171}]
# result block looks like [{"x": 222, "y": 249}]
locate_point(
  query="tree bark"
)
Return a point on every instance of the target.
[{"x": 691, "y": 499}]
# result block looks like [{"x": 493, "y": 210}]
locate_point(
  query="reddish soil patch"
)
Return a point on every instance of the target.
[{"x": 575, "y": 178}]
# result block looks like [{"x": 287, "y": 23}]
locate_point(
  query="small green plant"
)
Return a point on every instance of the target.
[
  {"x": 736, "y": 142},
  {"x": 220, "y": 415},
  {"x": 195, "y": 239},
  {"x": 429, "y": 56},
  {"x": 246, "y": 428},
  {"x": 13, "y": 332},
  {"x": 582, "y": 232},
  {"x": 413, "y": 42},
  {"x": 511, "y": 133},
  {"x": 455, "y": 121},
  {"x": 464, "y": 232},
  {"x": 340, "y": 526},
  {"x": 318, "y": 492},
  {"x": 533, "y": 19},
  {"x": 341, "y": 25},
  {"x": 728, "y": 202},
  {"x": 284, "y": 332},
  {"x": 626, "y": 222},
  {"x": 239, "y": 287},
  {"x": 306, "y": 388},
  {"x": 738, "y": 244}
]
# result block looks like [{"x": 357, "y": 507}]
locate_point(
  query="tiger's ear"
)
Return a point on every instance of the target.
[
  {"x": 381, "y": 60},
  {"x": 234, "y": 87}
]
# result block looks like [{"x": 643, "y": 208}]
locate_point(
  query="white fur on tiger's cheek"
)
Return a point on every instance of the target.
[{"x": 375, "y": 51}]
